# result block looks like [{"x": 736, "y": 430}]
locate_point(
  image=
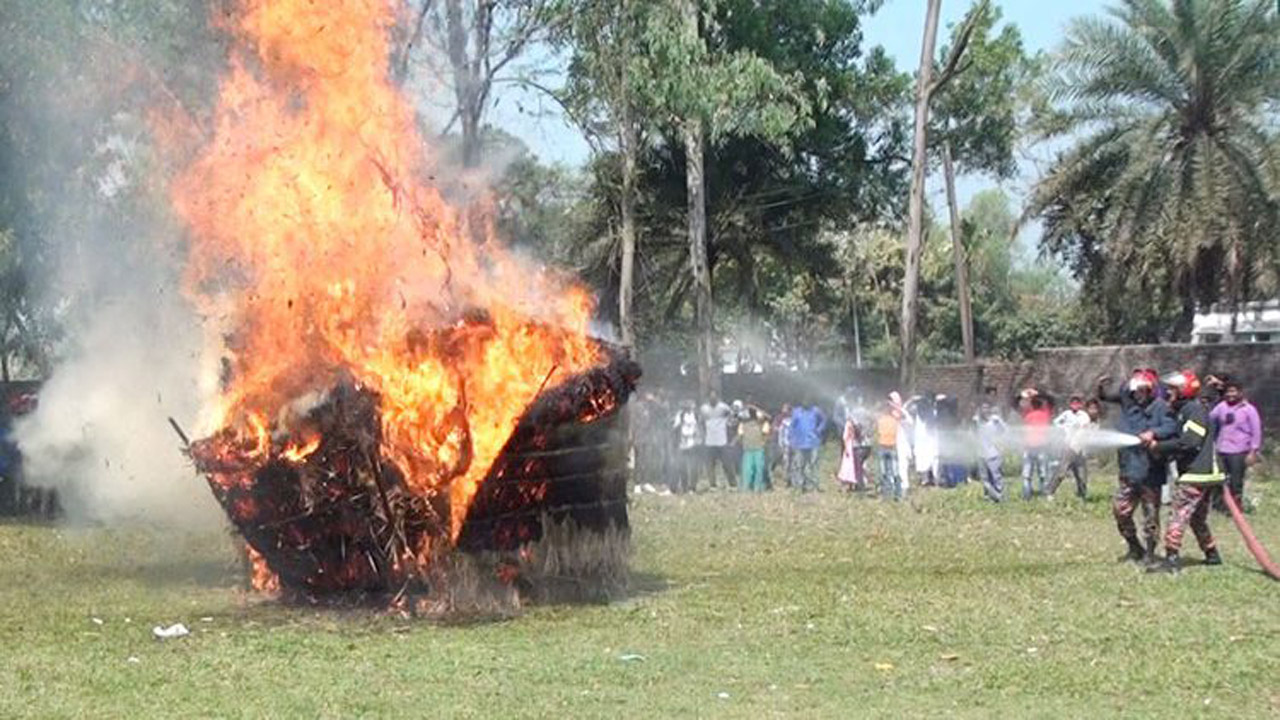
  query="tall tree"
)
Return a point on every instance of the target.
[
  {"x": 1167, "y": 198},
  {"x": 927, "y": 85},
  {"x": 711, "y": 93},
  {"x": 769, "y": 203},
  {"x": 478, "y": 41},
  {"x": 974, "y": 128},
  {"x": 604, "y": 96}
]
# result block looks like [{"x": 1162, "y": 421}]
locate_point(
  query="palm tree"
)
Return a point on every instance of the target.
[{"x": 1172, "y": 176}]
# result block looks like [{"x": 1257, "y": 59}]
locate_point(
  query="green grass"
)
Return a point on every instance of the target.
[{"x": 817, "y": 606}]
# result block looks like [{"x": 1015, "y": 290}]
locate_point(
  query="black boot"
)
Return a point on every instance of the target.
[
  {"x": 1212, "y": 557},
  {"x": 1134, "y": 554},
  {"x": 1172, "y": 565},
  {"x": 1150, "y": 557}
]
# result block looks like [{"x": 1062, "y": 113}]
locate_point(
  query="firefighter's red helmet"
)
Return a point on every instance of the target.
[
  {"x": 1185, "y": 384},
  {"x": 1142, "y": 378}
]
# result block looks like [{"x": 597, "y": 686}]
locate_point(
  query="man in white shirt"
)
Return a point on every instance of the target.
[
  {"x": 1072, "y": 423},
  {"x": 716, "y": 417}
]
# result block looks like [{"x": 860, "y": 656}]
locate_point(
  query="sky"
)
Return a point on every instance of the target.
[{"x": 897, "y": 26}]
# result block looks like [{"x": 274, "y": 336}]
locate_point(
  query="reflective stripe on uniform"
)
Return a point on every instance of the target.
[
  {"x": 1195, "y": 427},
  {"x": 1200, "y": 478}
]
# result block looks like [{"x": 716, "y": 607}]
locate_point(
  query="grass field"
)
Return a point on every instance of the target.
[{"x": 778, "y": 605}]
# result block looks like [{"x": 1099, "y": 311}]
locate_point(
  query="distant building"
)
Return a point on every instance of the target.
[{"x": 1256, "y": 322}]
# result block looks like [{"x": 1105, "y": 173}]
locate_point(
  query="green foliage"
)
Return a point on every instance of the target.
[
  {"x": 78, "y": 179},
  {"x": 1168, "y": 197},
  {"x": 604, "y": 83},
  {"x": 771, "y": 197},
  {"x": 540, "y": 208},
  {"x": 736, "y": 91},
  {"x": 977, "y": 111}
]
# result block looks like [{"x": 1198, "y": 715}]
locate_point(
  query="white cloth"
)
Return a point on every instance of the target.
[
  {"x": 925, "y": 446},
  {"x": 848, "y": 472},
  {"x": 716, "y": 418},
  {"x": 904, "y": 453}
]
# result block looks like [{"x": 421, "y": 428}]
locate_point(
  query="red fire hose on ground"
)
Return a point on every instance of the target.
[{"x": 1251, "y": 540}]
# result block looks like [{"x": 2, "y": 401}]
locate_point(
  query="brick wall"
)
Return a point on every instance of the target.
[
  {"x": 1065, "y": 370},
  {"x": 1060, "y": 371}
]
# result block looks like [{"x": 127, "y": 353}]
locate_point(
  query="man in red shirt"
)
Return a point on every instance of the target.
[{"x": 1037, "y": 416}]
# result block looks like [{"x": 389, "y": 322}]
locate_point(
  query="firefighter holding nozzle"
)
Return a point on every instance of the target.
[{"x": 1199, "y": 477}]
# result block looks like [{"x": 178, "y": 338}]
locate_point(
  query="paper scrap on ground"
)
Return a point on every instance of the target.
[{"x": 173, "y": 631}]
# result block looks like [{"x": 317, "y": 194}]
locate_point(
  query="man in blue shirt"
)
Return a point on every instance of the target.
[{"x": 807, "y": 426}]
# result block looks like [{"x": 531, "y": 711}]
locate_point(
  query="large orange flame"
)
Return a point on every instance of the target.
[{"x": 320, "y": 246}]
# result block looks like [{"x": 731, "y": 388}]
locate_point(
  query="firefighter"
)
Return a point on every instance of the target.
[
  {"x": 1141, "y": 476},
  {"x": 1199, "y": 477}
]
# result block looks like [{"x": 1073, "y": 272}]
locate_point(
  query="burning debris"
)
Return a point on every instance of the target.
[
  {"x": 327, "y": 515},
  {"x": 396, "y": 385}
]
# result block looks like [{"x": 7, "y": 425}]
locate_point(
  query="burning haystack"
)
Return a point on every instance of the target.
[{"x": 395, "y": 385}]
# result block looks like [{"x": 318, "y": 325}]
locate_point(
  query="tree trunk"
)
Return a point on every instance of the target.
[
  {"x": 626, "y": 282},
  {"x": 695, "y": 179},
  {"x": 1186, "y": 320},
  {"x": 857, "y": 327},
  {"x": 466, "y": 84},
  {"x": 1233, "y": 281},
  {"x": 628, "y": 140},
  {"x": 915, "y": 206},
  {"x": 958, "y": 253}
]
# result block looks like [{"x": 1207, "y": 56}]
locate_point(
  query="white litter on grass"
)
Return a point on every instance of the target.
[
  {"x": 96, "y": 621},
  {"x": 206, "y": 619},
  {"x": 168, "y": 633},
  {"x": 133, "y": 660},
  {"x": 632, "y": 657},
  {"x": 723, "y": 695}
]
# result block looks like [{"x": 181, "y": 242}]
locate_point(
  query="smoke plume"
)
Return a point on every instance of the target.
[{"x": 103, "y": 261}]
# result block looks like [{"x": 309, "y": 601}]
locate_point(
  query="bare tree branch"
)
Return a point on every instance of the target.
[
  {"x": 952, "y": 65},
  {"x": 402, "y": 63}
]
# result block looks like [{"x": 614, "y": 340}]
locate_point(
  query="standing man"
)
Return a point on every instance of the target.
[
  {"x": 1037, "y": 416},
  {"x": 1199, "y": 477},
  {"x": 1141, "y": 475},
  {"x": 807, "y": 425},
  {"x": 782, "y": 442},
  {"x": 649, "y": 430},
  {"x": 716, "y": 419},
  {"x": 753, "y": 431},
  {"x": 1239, "y": 429},
  {"x": 1072, "y": 423},
  {"x": 888, "y": 425},
  {"x": 991, "y": 439},
  {"x": 688, "y": 447}
]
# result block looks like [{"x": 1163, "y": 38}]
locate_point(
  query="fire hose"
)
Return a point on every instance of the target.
[{"x": 1250, "y": 540}]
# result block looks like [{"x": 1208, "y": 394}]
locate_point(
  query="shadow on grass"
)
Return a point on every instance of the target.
[
  {"x": 991, "y": 571},
  {"x": 645, "y": 584},
  {"x": 173, "y": 572}
]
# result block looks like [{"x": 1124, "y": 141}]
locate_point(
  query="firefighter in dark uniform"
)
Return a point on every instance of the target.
[
  {"x": 1141, "y": 476},
  {"x": 1199, "y": 477}
]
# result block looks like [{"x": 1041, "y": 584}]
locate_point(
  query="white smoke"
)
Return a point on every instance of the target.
[{"x": 131, "y": 359}]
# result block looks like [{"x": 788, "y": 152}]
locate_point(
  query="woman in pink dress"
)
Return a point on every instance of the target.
[{"x": 850, "y": 474}]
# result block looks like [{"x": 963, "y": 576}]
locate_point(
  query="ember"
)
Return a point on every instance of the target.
[{"x": 393, "y": 389}]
